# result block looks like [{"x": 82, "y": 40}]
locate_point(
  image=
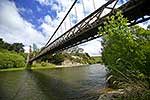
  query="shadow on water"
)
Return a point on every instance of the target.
[
  {"x": 55, "y": 89},
  {"x": 3, "y": 95},
  {"x": 10, "y": 83},
  {"x": 52, "y": 88}
]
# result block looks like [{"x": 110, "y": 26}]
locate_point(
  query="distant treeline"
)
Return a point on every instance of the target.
[{"x": 17, "y": 47}]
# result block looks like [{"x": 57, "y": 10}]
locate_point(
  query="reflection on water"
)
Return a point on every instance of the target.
[{"x": 76, "y": 83}]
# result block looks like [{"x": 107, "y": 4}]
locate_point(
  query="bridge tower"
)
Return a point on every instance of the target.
[{"x": 28, "y": 58}]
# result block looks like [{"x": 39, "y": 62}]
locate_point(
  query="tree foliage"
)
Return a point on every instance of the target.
[
  {"x": 11, "y": 59},
  {"x": 17, "y": 47},
  {"x": 11, "y": 55},
  {"x": 75, "y": 49},
  {"x": 125, "y": 49}
]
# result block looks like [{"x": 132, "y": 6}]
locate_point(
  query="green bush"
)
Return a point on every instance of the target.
[
  {"x": 11, "y": 60},
  {"x": 58, "y": 58},
  {"x": 44, "y": 64}
]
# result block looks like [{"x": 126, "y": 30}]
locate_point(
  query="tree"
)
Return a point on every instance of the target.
[
  {"x": 58, "y": 58},
  {"x": 74, "y": 49},
  {"x": 148, "y": 27},
  {"x": 125, "y": 49},
  {"x": 35, "y": 48},
  {"x": 4, "y": 45},
  {"x": 1, "y": 43},
  {"x": 18, "y": 47},
  {"x": 11, "y": 59}
]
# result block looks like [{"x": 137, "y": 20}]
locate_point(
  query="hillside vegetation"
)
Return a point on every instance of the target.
[
  {"x": 59, "y": 58},
  {"x": 11, "y": 55}
]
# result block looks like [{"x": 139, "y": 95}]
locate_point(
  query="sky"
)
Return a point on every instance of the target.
[{"x": 34, "y": 21}]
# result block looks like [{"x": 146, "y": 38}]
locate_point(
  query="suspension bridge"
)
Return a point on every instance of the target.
[{"x": 136, "y": 11}]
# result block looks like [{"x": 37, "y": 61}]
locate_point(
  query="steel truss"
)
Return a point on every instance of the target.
[{"x": 87, "y": 29}]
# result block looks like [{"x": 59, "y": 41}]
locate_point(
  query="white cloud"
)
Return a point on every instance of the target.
[
  {"x": 30, "y": 11},
  {"x": 46, "y": 29},
  {"x": 22, "y": 10},
  {"x": 144, "y": 24},
  {"x": 92, "y": 47},
  {"x": 48, "y": 19},
  {"x": 55, "y": 7},
  {"x": 13, "y": 28},
  {"x": 44, "y": 2},
  {"x": 63, "y": 6},
  {"x": 48, "y": 26}
]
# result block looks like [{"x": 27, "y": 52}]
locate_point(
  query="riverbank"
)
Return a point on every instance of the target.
[
  {"x": 129, "y": 89},
  {"x": 71, "y": 65},
  {"x": 132, "y": 92},
  {"x": 41, "y": 67},
  {"x": 13, "y": 69},
  {"x": 24, "y": 68}
]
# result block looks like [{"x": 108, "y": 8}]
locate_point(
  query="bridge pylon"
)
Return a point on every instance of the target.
[{"x": 28, "y": 59}]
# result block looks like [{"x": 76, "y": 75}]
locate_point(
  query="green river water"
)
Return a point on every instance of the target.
[{"x": 74, "y": 83}]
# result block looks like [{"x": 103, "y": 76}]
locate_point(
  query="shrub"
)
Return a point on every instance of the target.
[
  {"x": 44, "y": 64},
  {"x": 11, "y": 60}
]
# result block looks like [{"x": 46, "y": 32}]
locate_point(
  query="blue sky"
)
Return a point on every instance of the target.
[
  {"x": 33, "y": 11},
  {"x": 34, "y": 21}
]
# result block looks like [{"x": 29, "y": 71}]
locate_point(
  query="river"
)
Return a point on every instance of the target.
[{"x": 73, "y": 83}]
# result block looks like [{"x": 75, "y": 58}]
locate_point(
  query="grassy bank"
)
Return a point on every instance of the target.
[
  {"x": 42, "y": 65},
  {"x": 24, "y": 68},
  {"x": 12, "y": 69},
  {"x": 33, "y": 67}
]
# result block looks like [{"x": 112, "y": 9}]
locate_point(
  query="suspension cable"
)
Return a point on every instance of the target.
[
  {"x": 70, "y": 21},
  {"x": 61, "y": 29},
  {"x": 76, "y": 13},
  {"x": 94, "y": 4},
  {"x": 65, "y": 26},
  {"x": 83, "y": 8},
  {"x": 61, "y": 23}
]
